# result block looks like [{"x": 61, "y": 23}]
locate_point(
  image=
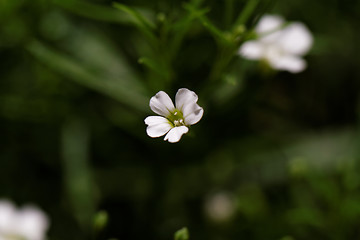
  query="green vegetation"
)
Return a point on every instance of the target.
[{"x": 281, "y": 149}]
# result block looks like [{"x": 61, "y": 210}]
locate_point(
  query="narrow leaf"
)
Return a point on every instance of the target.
[
  {"x": 72, "y": 69},
  {"x": 246, "y": 12},
  {"x": 77, "y": 173},
  {"x": 154, "y": 66},
  {"x": 94, "y": 11},
  {"x": 139, "y": 20},
  {"x": 200, "y": 15}
]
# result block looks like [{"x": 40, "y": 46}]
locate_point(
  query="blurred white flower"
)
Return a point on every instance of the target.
[
  {"x": 281, "y": 45},
  {"x": 220, "y": 206},
  {"x": 174, "y": 121},
  {"x": 27, "y": 223}
]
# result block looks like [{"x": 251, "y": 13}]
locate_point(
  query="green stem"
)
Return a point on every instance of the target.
[
  {"x": 224, "y": 57},
  {"x": 229, "y": 13}
]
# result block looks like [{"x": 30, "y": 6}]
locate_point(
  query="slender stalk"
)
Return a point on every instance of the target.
[{"x": 229, "y": 13}]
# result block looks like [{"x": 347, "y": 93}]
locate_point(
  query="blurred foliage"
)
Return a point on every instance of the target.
[
  {"x": 76, "y": 79},
  {"x": 182, "y": 234}
]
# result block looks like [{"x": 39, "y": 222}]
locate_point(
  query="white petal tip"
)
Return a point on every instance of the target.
[
  {"x": 175, "y": 134},
  {"x": 157, "y": 126},
  {"x": 161, "y": 104}
]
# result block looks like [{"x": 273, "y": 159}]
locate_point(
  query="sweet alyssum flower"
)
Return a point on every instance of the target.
[
  {"x": 27, "y": 223},
  {"x": 173, "y": 121},
  {"x": 280, "y": 45}
]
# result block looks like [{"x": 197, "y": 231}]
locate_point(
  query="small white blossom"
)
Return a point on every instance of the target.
[
  {"x": 27, "y": 223},
  {"x": 173, "y": 121},
  {"x": 281, "y": 46}
]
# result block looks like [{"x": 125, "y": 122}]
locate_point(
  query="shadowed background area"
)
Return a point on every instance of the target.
[{"x": 275, "y": 156}]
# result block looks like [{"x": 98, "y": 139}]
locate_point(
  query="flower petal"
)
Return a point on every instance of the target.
[
  {"x": 161, "y": 104},
  {"x": 273, "y": 53},
  {"x": 269, "y": 29},
  {"x": 7, "y": 216},
  {"x": 290, "y": 63},
  {"x": 296, "y": 39},
  {"x": 175, "y": 134},
  {"x": 157, "y": 126},
  {"x": 252, "y": 50},
  {"x": 32, "y": 223},
  {"x": 269, "y": 23},
  {"x": 184, "y": 97},
  {"x": 192, "y": 113}
]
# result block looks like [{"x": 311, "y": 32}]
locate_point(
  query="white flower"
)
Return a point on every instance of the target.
[
  {"x": 280, "y": 45},
  {"x": 174, "y": 121},
  {"x": 27, "y": 223}
]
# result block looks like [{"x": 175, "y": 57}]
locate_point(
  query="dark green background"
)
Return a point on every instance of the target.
[{"x": 73, "y": 97}]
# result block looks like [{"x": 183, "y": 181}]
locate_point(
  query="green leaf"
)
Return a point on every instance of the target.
[
  {"x": 143, "y": 24},
  {"x": 77, "y": 173},
  {"x": 246, "y": 13},
  {"x": 156, "y": 67},
  {"x": 200, "y": 15},
  {"x": 122, "y": 91},
  {"x": 180, "y": 28},
  {"x": 93, "y": 11},
  {"x": 229, "y": 12},
  {"x": 100, "y": 220},
  {"x": 182, "y": 234}
]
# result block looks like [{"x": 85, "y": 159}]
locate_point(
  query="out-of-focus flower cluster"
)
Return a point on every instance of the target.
[
  {"x": 27, "y": 223},
  {"x": 280, "y": 44}
]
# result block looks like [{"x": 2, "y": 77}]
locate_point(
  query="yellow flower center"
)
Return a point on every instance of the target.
[{"x": 176, "y": 118}]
